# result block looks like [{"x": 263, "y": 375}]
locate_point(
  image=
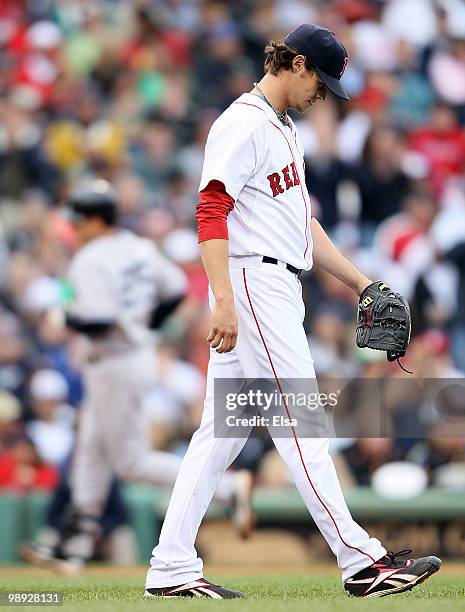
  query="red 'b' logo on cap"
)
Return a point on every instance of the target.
[{"x": 346, "y": 61}]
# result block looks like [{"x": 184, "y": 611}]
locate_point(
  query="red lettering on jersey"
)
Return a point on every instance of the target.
[
  {"x": 295, "y": 174},
  {"x": 275, "y": 183},
  {"x": 287, "y": 178}
]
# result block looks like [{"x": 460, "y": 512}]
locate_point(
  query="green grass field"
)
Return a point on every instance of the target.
[{"x": 120, "y": 590}]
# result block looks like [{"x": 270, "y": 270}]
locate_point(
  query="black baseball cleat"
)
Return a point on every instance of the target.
[
  {"x": 196, "y": 588},
  {"x": 390, "y": 575}
]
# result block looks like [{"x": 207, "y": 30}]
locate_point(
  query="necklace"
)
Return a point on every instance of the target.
[{"x": 281, "y": 116}]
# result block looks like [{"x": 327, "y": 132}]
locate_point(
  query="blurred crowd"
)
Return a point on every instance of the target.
[{"x": 127, "y": 91}]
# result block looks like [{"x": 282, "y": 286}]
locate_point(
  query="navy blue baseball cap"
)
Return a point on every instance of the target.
[{"x": 324, "y": 51}]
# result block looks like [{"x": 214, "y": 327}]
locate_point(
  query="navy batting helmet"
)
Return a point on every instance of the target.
[{"x": 94, "y": 199}]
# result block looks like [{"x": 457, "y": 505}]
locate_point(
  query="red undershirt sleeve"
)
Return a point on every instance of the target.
[{"x": 212, "y": 211}]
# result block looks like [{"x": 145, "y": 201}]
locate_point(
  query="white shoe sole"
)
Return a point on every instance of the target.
[{"x": 150, "y": 596}]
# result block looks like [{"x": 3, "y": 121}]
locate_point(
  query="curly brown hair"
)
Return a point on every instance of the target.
[{"x": 278, "y": 56}]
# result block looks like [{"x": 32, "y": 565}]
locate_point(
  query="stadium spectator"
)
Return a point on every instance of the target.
[
  {"x": 359, "y": 461},
  {"x": 21, "y": 468},
  {"x": 10, "y": 420},
  {"x": 441, "y": 143},
  {"x": 52, "y": 427}
]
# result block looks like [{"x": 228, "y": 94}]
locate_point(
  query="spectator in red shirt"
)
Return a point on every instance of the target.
[
  {"x": 22, "y": 470},
  {"x": 442, "y": 144}
]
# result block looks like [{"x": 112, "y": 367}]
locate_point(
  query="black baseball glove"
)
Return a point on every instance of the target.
[{"x": 384, "y": 321}]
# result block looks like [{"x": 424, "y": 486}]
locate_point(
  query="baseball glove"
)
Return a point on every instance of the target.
[{"x": 384, "y": 321}]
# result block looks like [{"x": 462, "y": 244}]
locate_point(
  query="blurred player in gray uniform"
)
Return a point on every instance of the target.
[{"x": 124, "y": 288}]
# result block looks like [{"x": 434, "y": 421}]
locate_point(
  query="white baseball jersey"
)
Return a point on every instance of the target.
[
  {"x": 261, "y": 163},
  {"x": 122, "y": 278}
]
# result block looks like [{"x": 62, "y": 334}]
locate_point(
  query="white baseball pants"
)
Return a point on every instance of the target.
[{"x": 271, "y": 343}]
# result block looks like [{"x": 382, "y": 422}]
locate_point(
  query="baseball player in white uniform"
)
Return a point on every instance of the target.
[
  {"x": 123, "y": 288},
  {"x": 256, "y": 233}
]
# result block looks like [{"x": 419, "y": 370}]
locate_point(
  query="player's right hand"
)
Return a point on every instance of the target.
[{"x": 223, "y": 332}]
